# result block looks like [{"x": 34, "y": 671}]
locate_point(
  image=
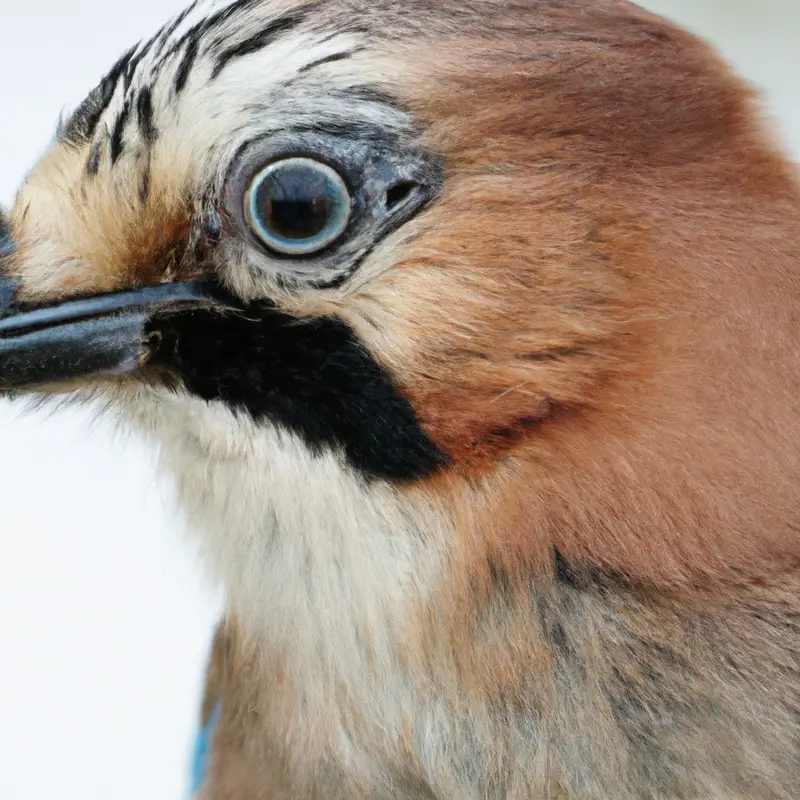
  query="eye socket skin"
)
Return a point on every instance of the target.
[
  {"x": 297, "y": 206},
  {"x": 364, "y": 188}
]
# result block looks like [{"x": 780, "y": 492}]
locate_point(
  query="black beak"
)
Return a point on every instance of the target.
[{"x": 103, "y": 335}]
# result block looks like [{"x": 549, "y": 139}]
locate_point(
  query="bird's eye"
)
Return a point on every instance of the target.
[{"x": 297, "y": 206}]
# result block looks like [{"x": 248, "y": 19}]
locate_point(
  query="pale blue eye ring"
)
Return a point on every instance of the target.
[{"x": 297, "y": 206}]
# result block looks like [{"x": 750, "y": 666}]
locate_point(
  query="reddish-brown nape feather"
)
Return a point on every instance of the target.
[{"x": 598, "y": 315}]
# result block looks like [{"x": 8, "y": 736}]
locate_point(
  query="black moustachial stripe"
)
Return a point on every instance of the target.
[
  {"x": 266, "y": 36},
  {"x": 312, "y": 377}
]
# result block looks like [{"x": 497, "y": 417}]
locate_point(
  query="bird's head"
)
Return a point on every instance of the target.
[{"x": 522, "y": 260}]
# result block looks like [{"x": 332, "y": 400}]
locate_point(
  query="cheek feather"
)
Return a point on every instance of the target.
[{"x": 499, "y": 321}]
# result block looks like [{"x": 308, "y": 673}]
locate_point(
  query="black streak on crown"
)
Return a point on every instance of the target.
[
  {"x": 185, "y": 67},
  {"x": 82, "y": 125},
  {"x": 311, "y": 376},
  {"x": 144, "y": 115},
  {"x": 263, "y": 38},
  {"x": 116, "y": 142}
]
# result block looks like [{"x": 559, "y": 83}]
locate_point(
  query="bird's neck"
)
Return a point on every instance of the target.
[{"x": 319, "y": 563}]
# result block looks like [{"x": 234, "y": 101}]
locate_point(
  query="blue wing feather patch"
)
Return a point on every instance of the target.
[{"x": 202, "y": 747}]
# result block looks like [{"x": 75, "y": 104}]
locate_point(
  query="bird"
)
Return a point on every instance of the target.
[{"x": 467, "y": 334}]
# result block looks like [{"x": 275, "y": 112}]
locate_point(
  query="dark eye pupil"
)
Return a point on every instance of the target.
[
  {"x": 295, "y": 202},
  {"x": 298, "y": 206}
]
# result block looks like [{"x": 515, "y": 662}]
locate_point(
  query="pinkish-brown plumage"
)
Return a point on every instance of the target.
[{"x": 594, "y": 321}]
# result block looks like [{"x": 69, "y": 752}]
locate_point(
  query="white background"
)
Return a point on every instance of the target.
[{"x": 104, "y": 616}]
